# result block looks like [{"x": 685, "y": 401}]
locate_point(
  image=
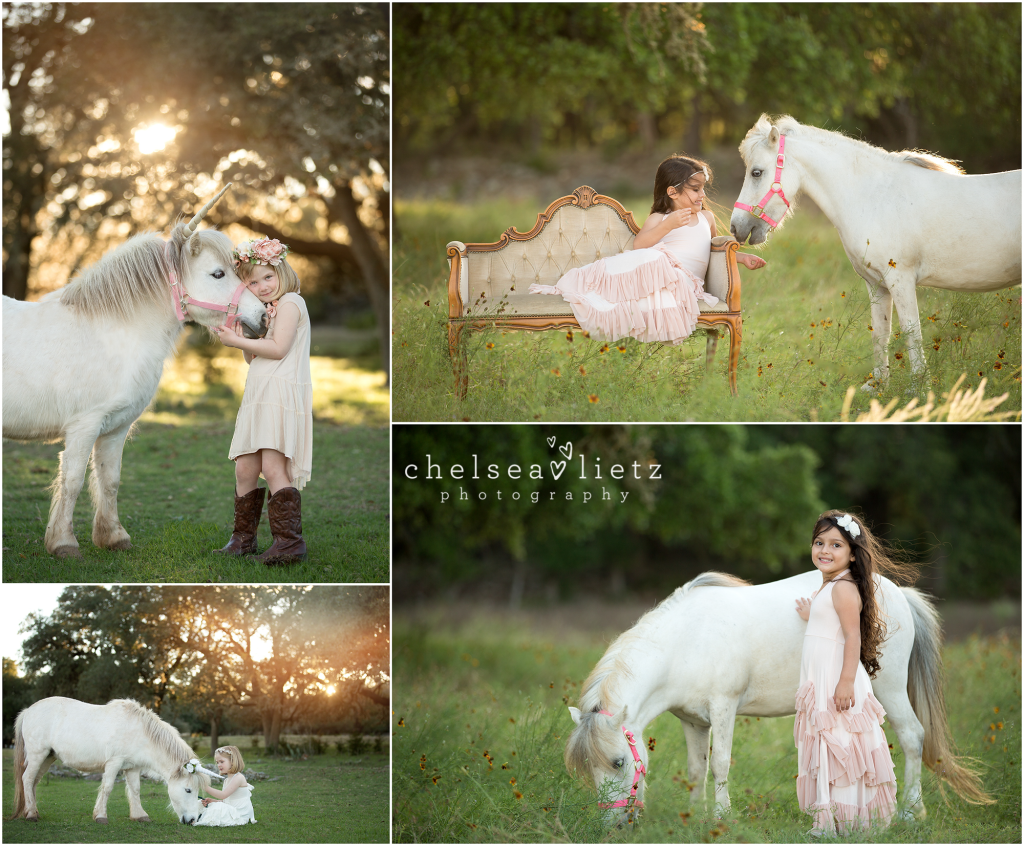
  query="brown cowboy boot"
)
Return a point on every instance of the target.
[
  {"x": 284, "y": 510},
  {"x": 247, "y": 518}
]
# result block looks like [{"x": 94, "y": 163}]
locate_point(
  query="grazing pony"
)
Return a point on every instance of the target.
[
  {"x": 121, "y": 735},
  {"x": 719, "y": 647},
  {"x": 905, "y": 219},
  {"x": 83, "y": 363}
]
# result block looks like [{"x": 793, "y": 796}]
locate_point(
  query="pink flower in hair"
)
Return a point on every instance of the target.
[{"x": 261, "y": 251}]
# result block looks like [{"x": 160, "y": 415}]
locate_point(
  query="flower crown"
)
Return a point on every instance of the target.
[
  {"x": 261, "y": 251},
  {"x": 847, "y": 523}
]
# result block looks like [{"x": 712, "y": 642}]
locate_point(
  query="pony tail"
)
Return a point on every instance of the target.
[
  {"x": 19, "y": 770},
  {"x": 924, "y": 689}
]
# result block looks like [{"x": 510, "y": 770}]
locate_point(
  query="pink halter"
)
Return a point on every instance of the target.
[
  {"x": 758, "y": 210},
  {"x": 182, "y": 300},
  {"x": 639, "y": 772}
]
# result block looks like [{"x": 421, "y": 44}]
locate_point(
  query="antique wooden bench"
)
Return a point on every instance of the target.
[{"x": 488, "y": 284}]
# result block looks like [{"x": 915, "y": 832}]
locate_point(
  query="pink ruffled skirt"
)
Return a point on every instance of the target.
[
  {"x": 846, "y": 779},
  {"x": 645, "y": 294}
]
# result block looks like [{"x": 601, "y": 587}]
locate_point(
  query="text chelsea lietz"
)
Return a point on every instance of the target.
[{"x": 536, "y": 471}]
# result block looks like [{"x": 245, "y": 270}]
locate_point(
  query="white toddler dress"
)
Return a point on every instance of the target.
[{"x": 235, "y": 810}]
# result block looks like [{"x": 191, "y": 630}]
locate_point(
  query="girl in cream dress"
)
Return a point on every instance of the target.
[{"x": 274, "y": 428}]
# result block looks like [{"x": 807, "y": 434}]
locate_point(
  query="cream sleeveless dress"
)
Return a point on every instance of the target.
[
  {"x": 277, "y": 406},
  {"x": 650, "y": 294},
  {"x": 235, "y": 810},
  {"x": 846, "y": 778}
]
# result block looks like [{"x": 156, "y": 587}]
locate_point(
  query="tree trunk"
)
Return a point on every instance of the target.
[
  {"x": 214, "y": 734},
  {"x": 373, "y": 264},
  {"x": 648, "y": 129},
  {"x": 272, "y": 730},
  {"x": 692, "y": 140}
]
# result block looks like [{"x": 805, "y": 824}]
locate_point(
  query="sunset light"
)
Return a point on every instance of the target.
[{"x": 152, "y": 139}]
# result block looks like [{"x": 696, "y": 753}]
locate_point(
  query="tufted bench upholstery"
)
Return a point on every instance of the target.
[{"x": 488, "y": 284}]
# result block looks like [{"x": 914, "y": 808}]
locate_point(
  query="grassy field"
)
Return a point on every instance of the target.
[
  {"x": 481, "y": 724},
  {"x": 806, "y": 339},
  {"x": 177, "y": 485},
  {"x": 326, "y": 798}
]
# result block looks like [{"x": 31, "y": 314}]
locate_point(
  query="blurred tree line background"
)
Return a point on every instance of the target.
[
  {"x": 742, "y": 499},
  {"x": 618, "y": 76},
  {"x": 215, "y": 660},
  {"x": 124, "y": 116}
]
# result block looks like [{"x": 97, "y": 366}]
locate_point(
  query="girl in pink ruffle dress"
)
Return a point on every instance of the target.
[
  {"x": 846, "y": 780},
  {"x": 652, "y": 292}
]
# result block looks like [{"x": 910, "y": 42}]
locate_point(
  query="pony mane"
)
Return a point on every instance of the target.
[
  {"x": 590, "y": 742},
  {"x": 136, "y": 274},
  {"x": 164, "y": 736},
  {"x": 788, "y": 125}
]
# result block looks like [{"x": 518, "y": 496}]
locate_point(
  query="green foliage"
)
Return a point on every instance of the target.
[
  {"x": 356, "y": 745},
  {"x": 739, "y": 498},
  {"x": 566, "y": 62},
  {"x": 481, "y": 726},
  {"x": 319, "y": 800},
  {"x": 17, "y": 696},
  {"x": 749, "y": 504},
  {"x": 941, "y": 76},
  {"x": 806, "y": 339}
]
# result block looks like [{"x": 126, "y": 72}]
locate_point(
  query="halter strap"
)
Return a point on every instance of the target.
[
  {"x": 758, "y": 210},
  {"x": 639, "y": 772},
  {"x": 181, "y": 299}
]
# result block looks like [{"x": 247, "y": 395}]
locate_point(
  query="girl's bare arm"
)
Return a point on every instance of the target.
[
  {"x": 231, "y": 784},
  {"x": 846, "y": 599},
  {"x": 286, "y": 324}
]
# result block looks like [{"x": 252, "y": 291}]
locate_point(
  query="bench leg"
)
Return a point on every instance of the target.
[
  {"x": 460, "y": 365},
  {"x": 735, "y": 337},
  {"x": 712, "y": 346}
]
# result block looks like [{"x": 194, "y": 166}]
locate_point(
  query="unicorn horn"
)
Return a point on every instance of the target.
[{"x": 194, "y": 222}]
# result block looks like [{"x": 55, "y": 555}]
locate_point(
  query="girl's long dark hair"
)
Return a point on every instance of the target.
[
  {"x": 671, "y": 172},
  {"x": 871, "y": 556}
]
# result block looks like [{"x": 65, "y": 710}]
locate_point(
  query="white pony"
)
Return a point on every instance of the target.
[
  {"x": 121, "y": 735},
  {"x": 719, "y": 647},
  {"x": 83, "y": 363},
  {"x": 905, "y": 219}
]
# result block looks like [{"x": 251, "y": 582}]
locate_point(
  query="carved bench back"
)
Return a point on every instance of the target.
[{"x": 571, "y": 237}]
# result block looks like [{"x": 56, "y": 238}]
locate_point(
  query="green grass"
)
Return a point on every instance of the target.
[
  {"x": 484, "y": 687},
  {"x": 326, "y": 799},
  {"x": 176, "y": 498},
  {"x": 805, "y": 341}
]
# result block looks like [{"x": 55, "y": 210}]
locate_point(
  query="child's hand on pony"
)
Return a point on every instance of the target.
[
  {"x": 750, "y": 262},
  {"x": 803, "y": 608},
  {"x": 228, "y": 337}
]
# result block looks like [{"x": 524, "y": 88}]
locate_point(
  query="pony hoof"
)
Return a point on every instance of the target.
[
  {"x": 67, "y": 552},
  {"x": 121, "y": 544},
  {"x": 101, "y": 820},
  {"x": 33, "y": 818},
  {"x": 142, "y": 819}
]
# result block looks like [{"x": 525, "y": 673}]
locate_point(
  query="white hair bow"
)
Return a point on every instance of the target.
[
  {"x": 194, "y": 766},
  {"x": 847, "y": 522}
]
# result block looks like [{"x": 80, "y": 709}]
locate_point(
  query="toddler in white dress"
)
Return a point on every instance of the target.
[{"x": 232, "y": 804}]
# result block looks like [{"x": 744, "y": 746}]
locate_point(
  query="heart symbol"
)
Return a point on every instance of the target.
[
  {"x": 560, "y": 465},
  {"x": 566, "y": 451},
  {"x": 551, "y": 441}
]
